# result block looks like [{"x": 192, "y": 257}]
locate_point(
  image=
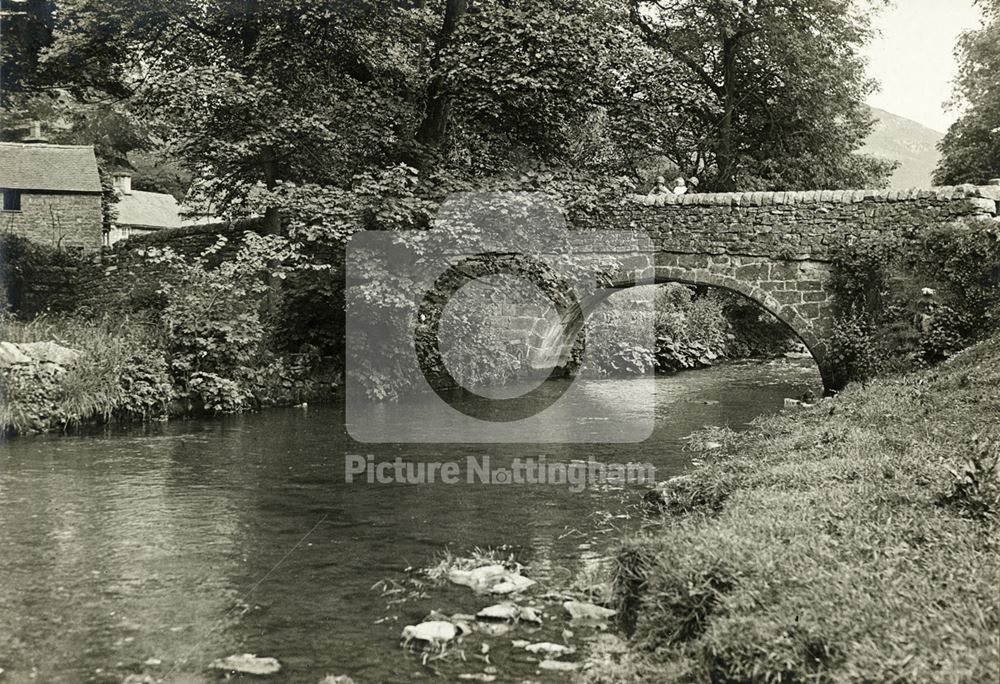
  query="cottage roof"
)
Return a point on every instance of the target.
[
  {"x": 151, "y": 211},
  {"x": 60, "y": 168}
]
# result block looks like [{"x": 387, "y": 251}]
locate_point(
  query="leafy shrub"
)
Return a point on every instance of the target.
[
  {"x": 975, "y": 487},
  {"x": 854, "y": 351},
  {"x": 908, "y": 304},
  {"x": 37, "y": 278},
  {"x": 212, "y": 321}
]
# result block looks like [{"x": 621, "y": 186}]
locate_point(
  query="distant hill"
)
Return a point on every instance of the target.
[{"x": 908, "y": 142}]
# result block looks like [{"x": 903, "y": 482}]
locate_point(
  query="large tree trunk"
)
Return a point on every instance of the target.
[
  {"x": 433, "y": 129},
  {"x": 725, "y": 155}
]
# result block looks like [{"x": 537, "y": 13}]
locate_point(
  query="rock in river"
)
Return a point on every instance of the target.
[
  {"x": 436, "y": 633},
  {"x": 510, "y": 612},
  {"x": 247, "y": 663},
  {"x": 558, "y": 665},
  {"x": 496, "y": 579},
  {"x": 549, "y": 648},
  {"x": 588, "y": 611}
]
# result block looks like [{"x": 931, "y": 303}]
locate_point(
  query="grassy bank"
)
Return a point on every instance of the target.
[
  {"x": 119, "y": 374},
  {"x": 854, "y": 541},
  {"x": 125, "y": 371}
]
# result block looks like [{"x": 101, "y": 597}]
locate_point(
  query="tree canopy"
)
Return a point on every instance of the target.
[
  {"x": 269, "y": 104},
  {"x": 970, "y": 151},
  {"x": 779, "y": 90}
]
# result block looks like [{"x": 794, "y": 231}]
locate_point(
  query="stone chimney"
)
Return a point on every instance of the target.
[
  {"x": 35, "y": 136},
  {"x": 123, "y": 182}
]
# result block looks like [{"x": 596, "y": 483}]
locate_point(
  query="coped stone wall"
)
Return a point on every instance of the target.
[
  {"x": 66, "y": 220},
  {"x": 793, "y": 225}
]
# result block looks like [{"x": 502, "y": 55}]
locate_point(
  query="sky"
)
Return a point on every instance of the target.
[{"x": 914, "y": 58}]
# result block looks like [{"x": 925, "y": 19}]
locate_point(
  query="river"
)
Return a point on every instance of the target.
[{"x": 153, "y": 551}]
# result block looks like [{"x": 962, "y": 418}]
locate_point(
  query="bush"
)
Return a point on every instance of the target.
[
  {"x": 37, "y": 278},
  {"x": 120, "y": 375},
  {"x": 942, "y": 296},
  {"x": 213, "y": 330}
]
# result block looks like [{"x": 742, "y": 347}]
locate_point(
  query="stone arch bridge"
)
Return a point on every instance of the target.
[{"x": 777, "y": 248}]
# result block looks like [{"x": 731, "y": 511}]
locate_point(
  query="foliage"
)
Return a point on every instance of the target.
[
  {"x": 975, "y": 489},
  {"x": 970, "y": 151},
  {"x": 213, "y": 330},
  {"x": 855, "y": 354},
  {"x": 776, "y": 89},
  {"x": 819, "y": 563},
  {"x": 26, "y": 31},
  {"x": 906, "y": 304},
  {"x": 36, "y": 277},
  {"x": 691, "y": 331}
]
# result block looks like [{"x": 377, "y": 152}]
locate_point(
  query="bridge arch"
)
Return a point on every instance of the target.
[{"x": 799, "y": 326}]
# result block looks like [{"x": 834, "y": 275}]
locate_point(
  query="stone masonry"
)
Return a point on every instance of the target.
[
  {"x": 777, "y": 248},
  {"x": 60, "y": 219}
]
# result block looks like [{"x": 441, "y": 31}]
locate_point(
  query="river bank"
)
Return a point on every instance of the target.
[{"x": 851, "y": 541}]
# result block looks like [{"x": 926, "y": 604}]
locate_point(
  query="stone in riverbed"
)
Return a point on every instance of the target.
[
  {"x": 588, "y": 611},
  {"x": 435, "y": 633},
  {"x": 247, "y": 663},
  {"x": 336, "y": 679},
  {"x": 479, "y": 579},
  {"x": 509, "y": 612},
  {"x": 513, "y": 584},
  {"x": 549, "y": 648},
  {"x": 558, "y": 666},
  {"x": 496, "y": 579}
]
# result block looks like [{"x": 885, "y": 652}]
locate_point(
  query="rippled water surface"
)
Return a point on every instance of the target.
[{"x": 194, "y": 540}]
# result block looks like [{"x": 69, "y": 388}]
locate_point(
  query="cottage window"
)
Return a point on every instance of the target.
[{"x": 11, "y": 199}]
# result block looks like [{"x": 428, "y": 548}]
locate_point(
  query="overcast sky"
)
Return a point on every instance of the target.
[{"x": 914, "y": 59}]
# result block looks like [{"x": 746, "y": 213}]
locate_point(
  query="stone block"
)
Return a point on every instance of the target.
[
  {"x": 787, "y": 296},
  {"x": 752, "y": 272},
  {"x": 809, "y": 311}
]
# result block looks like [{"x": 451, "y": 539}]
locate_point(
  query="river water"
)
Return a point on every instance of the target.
[{"x": 153, "y": 551}]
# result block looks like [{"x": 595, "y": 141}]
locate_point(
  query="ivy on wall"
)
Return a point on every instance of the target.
[{"x": 906, "y": 304}]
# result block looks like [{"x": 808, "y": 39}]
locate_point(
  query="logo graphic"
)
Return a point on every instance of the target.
[{"x": 495, "y": 325}]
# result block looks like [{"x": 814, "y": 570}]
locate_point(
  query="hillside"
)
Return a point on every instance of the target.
[{"x": 912, "y": 144}]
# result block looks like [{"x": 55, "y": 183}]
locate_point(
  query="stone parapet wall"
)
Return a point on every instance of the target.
[{"x": 811, "y": 225}]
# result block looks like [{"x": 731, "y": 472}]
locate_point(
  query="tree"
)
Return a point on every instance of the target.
[
  {"x": 780, "y": 90},
  {"x": 970, "y": 151},
  {"x": 26, "y": 28}
]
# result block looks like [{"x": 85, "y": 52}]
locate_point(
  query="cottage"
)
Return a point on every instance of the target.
[
  {"x": 51, "y": 193},
  {"x": 141, "y": 212}
]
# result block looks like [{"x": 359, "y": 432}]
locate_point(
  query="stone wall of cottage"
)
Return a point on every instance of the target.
[{"x": 65, "y": 220}]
